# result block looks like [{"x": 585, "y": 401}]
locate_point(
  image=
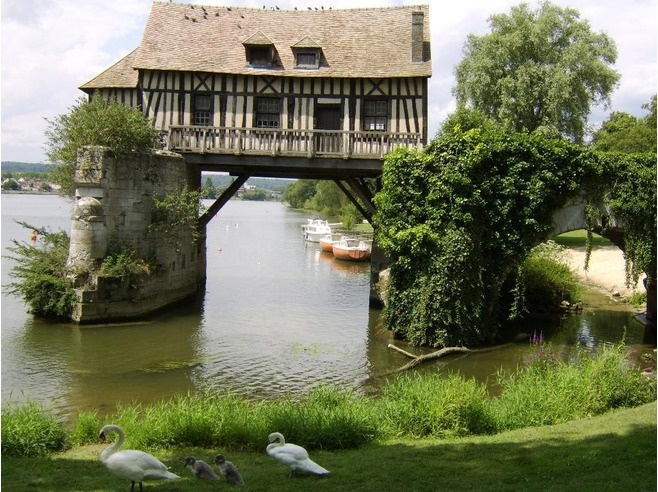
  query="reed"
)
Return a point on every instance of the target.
[
  {"x": 549, "y": 389},
  {"x": 432, "y": 405},
  {"x": 552, "y": 389},
  {"x": 30, "y": 429}
]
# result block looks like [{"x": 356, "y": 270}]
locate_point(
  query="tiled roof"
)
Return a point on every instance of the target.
[
  {"x": 373, "y": 42},
  {"x": 306, "y": 42},
  {"x": 121, "y": 74}
]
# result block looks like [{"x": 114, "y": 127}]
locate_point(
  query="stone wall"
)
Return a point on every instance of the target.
[{"x": 113, "y": 211}]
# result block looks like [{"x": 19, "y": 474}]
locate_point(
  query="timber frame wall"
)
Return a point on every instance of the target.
[{"x": 166, "y": 98}]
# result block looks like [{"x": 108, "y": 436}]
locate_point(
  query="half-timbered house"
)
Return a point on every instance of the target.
[{"x": 302, "y": 93}]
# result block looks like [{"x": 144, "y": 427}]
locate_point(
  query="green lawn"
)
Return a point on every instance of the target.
[
  {"x": 613, "y": 452},
  {"x": 577, "y": 239}
]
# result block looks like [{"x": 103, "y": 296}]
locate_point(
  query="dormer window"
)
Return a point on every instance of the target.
[
  {"x": 307, "y": 59},
  {"x": 259, "y": 56},
  {"x": 259, "y": 51},
  {"x": 307, "y": 54}
]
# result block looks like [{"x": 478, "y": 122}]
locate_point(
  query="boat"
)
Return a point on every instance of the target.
[
  {"x": 315, "y": 229},
  {"x": 327, "y": 242},
  {"x": 351, "y": 249}
]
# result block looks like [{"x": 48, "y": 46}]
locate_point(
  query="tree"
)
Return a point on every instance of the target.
[
  {"x": 622, "y": 132},
  {"x": 297, "y": 193},
  {"x": 208, "y": 190},
  {"x": 96, "y": 122},
  {"x": 11, "y": 184},
  {"x": 538, "y": 69}
]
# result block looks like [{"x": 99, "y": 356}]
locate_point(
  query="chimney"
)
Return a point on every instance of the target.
[{"x": 417, "y": 20}]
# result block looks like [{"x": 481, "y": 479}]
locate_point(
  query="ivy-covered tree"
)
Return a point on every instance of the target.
[
  {"x": 541, "y": 68},
  {"x": 623, "y": 132},
  {"x": 95, "y": 122},
  {"x": 458, "y": 218}
]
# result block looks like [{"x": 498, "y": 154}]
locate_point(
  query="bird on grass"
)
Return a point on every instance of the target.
[
  {"x": 228, "y": 470},
  {"x": 136, "y": 466},
  {"x": 293, "y": 456},
  {"x": 200, "y": 469}
]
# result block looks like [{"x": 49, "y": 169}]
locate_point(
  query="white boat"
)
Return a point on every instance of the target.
[
  {"x": 351, "y": 249},
  {"x": 316, "y": 229}
]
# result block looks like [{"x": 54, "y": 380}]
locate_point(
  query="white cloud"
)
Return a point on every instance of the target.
[{"x": 51, "y": 47}]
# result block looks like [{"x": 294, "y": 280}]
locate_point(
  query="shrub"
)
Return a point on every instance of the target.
[
  {"x": 548, "y": 279},
  {"x": 41, "y": 274},
  {"x": 124, "y": 264},
  {"x": 431, "y": 405},
  {"x": 30, "y": 430},
  {"x": 96, "y": 122}
]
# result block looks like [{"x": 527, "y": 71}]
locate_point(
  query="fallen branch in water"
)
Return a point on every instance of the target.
[{"x": 424, "y": 358}]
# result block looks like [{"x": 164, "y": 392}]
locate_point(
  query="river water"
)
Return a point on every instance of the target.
[{"x": 278, "y": 317}]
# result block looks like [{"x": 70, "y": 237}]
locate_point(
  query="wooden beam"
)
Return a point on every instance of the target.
[
  {"x": 349, "y": 192},
  {"x": 223, "y": 199}
]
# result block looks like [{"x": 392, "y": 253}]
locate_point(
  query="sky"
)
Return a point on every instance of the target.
[{"x": 51, "y": 47}]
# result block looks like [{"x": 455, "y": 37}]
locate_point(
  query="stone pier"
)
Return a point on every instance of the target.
[{"x": 115, "y": 212}]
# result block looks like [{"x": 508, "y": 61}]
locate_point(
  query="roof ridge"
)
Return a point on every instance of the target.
[{"x": 330, "y": 9}]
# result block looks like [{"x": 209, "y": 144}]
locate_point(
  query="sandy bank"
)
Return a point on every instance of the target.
[{"x": 606, "y": 269}]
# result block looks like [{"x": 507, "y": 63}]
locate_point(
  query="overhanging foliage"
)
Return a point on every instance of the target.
[{"x": 459, "y": 217}]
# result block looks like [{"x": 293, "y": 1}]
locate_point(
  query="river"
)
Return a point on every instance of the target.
[{"x": 277, "y": 317}]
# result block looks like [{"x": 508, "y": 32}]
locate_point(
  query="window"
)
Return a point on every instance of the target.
[
  {"x": 306, "y": 59},
  {"x": 259, "y": 56},
  {"x": 268, "y": 112},
  {"x": 375, "y": 115},
  {"x": 202, "y": 114}
]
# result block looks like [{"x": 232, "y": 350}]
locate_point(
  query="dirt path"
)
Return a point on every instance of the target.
[{"x": 606, "y": 269}]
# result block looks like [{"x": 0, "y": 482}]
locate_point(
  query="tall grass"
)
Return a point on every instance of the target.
[
  {"x": 31, "y": 430},
  {"x": 432, "y": 405},
  {"x": 547, "y": 390},
  {"x": 551, "y": 390}
]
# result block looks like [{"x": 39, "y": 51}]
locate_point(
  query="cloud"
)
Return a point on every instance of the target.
[{"x": 51, "y": 47}]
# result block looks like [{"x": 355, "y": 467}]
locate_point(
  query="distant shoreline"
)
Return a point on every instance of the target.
[{"x": 26, "y": 192}]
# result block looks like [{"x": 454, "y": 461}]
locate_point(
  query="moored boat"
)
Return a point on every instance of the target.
[
  {"x": 315, "y": 229},
  {"x": 327, "y": 242},
  {"x": 351, "y": 249}
]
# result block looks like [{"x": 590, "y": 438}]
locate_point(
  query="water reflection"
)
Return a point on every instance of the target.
[{"x": 278, "y": 316}]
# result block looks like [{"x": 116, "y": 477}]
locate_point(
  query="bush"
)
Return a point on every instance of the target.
[
  {"x": 30, "y": 430},
  {"x": 96, "y": 122},
  {"x": 548, "y": 279},
  {"x": 124, "y": 264},
  {"x": 41, "y": 274}
]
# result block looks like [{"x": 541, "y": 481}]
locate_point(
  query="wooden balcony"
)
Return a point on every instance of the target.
[{"x": 276, "y": 142}]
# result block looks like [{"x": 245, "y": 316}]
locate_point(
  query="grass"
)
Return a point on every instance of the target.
[
  {"x": 615, "y": 451},
  {"x": 577, "y": 239}
]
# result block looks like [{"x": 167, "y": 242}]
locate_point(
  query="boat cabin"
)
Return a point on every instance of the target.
[{"x": 225, "y": 83}]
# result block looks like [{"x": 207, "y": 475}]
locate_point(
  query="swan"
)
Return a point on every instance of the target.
[
  {"x": 228, "y": 470},
  {"x": 136, "y": 466},
  {"x": 293, "y": 456},
  {"x": 200, "y": 469}
]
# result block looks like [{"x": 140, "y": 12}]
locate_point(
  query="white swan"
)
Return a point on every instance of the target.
[
  {"x": 293, "y": 456},
  {"x": 228, "y": 470},
  {"x": 200, "y": 469},
  {"x": 136, "y": 466}
]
